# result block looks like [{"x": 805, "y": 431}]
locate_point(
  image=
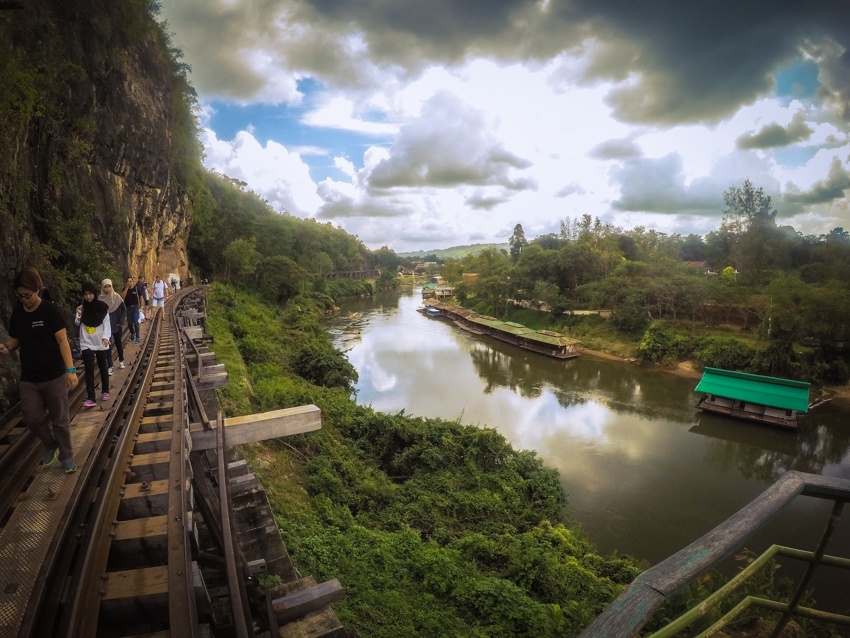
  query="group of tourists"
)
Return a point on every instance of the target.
[{"x": 37, "y": 328}]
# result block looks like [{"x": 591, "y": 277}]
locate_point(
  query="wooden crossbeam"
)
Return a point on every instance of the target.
[
  {"x": 304, "y": 601},
  {"x": 141, "y": 528},
  {"x": 143, "y": 460},
  {"x": 133, "y": 583},
  {"x": 261, "y": 427},
  {"x": 147, "y": 490}
]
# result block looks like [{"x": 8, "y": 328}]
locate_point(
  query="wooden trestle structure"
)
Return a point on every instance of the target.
[{"x": 163, "y": 531}]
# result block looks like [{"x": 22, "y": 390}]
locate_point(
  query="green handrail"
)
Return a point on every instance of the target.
[{"x": 633, "y": 609}]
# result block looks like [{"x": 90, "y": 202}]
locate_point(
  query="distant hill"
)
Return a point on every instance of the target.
[{"x": 456, "y": 252}]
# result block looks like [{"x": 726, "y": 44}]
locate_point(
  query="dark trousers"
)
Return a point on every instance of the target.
[
  {"x": 133, "y": 321},
  {"x": 88, "y": 360},
  {"x": 119, "y": 346},
  {"x": 44, "y": 410}
]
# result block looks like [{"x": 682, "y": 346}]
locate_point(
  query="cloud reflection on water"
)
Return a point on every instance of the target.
[{"x": 646, "y": 473}]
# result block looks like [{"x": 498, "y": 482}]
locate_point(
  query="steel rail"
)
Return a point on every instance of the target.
[
  {"x": 182, "y": 610},
  {"x": 235, "y": 584},
  {"x": 43, "y": 608},
  {"x": 84, "y": 604},
  {"x": 87, "y": 585},
  {"x": 92, "y": 579}
]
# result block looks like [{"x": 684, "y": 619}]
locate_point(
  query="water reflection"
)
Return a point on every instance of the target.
[
  {"x": 646, "y": 473},
  {"x": 767, "y": 453}
]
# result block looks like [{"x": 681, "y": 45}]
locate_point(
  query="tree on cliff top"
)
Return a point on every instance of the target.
[{"x": 517, "y": 241}]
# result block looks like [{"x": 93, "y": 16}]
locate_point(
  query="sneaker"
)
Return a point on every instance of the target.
[
  {"x": 121, "y": 365},
  {"x": 105, "y": 396},
  {"x": 138, "y": 340},
  {"x": 51, "y": 455},
  {"x": 111, "y": 371},
  {"x": 69, "y": 466},
  {"x": 88, "y": 403}
]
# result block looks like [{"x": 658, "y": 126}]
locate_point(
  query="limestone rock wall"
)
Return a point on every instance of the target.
[{"x": 93, "y": 135}]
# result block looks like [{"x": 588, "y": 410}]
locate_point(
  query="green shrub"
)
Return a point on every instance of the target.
[
  {"x": 662, "y": 344},
  {"x": 630, "y": 319},
  {"x": 728, "y": 354},
  {"x": 323, "y": 365}
]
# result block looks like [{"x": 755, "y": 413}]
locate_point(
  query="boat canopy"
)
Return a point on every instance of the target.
[
  {"x": 517, "y": 330},
  {"x": 552, "y": 338},
  {"x": 754, "y": 388}
]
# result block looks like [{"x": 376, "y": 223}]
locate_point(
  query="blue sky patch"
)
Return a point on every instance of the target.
[
  {"x": 281, "y": 123},
  {"x": 798, "y": 80}
]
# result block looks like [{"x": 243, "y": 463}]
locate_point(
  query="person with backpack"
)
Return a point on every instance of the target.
[
  {"x": 130, "y": 293},
  {"x": 95, "y": 331}
]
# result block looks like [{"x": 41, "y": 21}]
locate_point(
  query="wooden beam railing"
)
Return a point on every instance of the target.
[{"x": 634, "y": 608}]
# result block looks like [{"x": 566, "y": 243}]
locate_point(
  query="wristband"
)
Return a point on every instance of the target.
[{"x": 70, "y": 370}]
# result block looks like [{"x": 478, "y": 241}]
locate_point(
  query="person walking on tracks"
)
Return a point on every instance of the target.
[
  {"x": 159, "y": 291},
  {"x": 117, "y": 316},
  {"x": 130, "y": 293},
  {"x": 95, "y": 332},
  {"x": 47, "y": 369}
]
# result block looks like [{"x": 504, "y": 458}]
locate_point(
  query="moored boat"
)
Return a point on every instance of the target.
[
  {"x": 753, "y": 397},
  {"x": 431, "y": 311},
  {"x": 548, "y": 342}
]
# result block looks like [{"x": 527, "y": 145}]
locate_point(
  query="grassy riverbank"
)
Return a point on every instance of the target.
[
  {"x": 685, "y": 347},
  {"x": 433, "y": 527}
]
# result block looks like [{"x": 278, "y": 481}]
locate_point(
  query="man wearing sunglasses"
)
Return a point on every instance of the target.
[{"x": 47, "y": 369}]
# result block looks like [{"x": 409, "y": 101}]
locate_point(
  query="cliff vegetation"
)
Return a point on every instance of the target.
[{"x": 99, "y": 152}]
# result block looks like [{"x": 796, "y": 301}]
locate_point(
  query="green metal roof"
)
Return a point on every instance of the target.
[{"x": 754, "y": 388}]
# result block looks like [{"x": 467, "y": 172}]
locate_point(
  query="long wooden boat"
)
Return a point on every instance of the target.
[
  {"x": 548, "y": 342},
  {"x": 431, "y": 311},
  {"x": 463, "y": 326},
  {"x": 753, "y": 397}
]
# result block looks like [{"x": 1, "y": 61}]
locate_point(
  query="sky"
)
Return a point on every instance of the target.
[{"x": 421, "y": 125}]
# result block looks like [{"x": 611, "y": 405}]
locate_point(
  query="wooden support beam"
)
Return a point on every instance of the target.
[
  {"x": 144, "y": 490},
  {"x": 261, "y": 427},
  {"x": 212, "y": 369},
  {"x": 302, "y": 602},
  {"x": 154, "y": 458},
  {"x": 141, "y": 528},
  {"x": 133, "y": 583},
  {"x": 213, "y": 381},
  {"x": 152, "y": 442},
  {"x": 193, "y": 332}
]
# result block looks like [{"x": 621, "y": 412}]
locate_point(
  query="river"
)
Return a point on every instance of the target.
[{"x": 645, "y": 472}]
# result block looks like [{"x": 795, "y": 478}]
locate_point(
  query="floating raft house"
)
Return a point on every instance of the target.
[
  {"x": 753, "y": 397},
  {"x": 547, "y": 342}
]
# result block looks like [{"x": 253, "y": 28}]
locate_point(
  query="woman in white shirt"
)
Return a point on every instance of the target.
[{"x": 95, "y": 331}]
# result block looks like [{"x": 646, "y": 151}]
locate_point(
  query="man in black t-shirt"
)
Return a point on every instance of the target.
[
  {"x": 47, "y": 370},
  {"x": 132, "y": 302}
]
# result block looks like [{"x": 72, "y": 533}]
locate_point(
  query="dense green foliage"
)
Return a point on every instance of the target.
[
  {"x": 783, "y": 299},
  {"x": 433, "y": 527},
  {"x": 236, "y": 236}
]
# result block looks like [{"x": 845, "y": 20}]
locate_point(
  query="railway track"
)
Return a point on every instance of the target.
[{"x": 144, "y": 540}]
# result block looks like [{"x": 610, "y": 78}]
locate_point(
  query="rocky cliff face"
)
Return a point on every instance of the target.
[{"x": 96, "y": 146}]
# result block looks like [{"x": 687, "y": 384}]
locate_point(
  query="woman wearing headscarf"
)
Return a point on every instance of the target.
[
  {"x": 117, "y": 316},
  {"x": 95, "y": 332}
]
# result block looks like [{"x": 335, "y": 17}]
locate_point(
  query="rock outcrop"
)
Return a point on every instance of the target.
[{"x": 96, "y": 149}]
